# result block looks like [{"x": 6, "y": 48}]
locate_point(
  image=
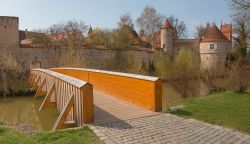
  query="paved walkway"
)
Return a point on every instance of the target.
[{"x": 118, "y": 122}]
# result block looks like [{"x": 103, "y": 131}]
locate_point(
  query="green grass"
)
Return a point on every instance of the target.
[
  {"x": 71, "y": 136},
  {"x": 228, "y": 109}
]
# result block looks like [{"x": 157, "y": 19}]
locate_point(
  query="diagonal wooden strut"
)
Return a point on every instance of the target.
[
  {"x": 36, "y": 83},
  {"x": 46, "y": 102},
  {"x": 64, "y": 113},
  {"x": 39, "y": 91},
  {"x": 32, "y": 80}
]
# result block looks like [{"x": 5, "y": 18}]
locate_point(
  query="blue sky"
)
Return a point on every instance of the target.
[{"x": 35, "y": 14}]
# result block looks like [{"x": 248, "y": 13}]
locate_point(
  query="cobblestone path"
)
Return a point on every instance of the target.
[
  {"x": 166, "y": 129},
  {"x": 119, "y": 122}
]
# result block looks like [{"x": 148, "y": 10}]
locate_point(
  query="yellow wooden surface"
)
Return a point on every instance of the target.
[{"x": 144, "y": 93}]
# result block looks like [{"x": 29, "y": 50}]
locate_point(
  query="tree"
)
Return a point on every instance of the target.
[
  {"x": 242, "y": 31},
  {"x": 241, "y": 21},
  {"x": 240, "y": 4},
  {"x": 181, "y": 28},
  {"x": 185, "y": 68},
  {"x": 101, "y": 37},
  {"x": 38, "y": 37},
  {"x": 125, "y": 20},
  {"x": 69, "y": 34},
  {"x": 149, "y": 21},
  {"x": 201, "y": 30}
]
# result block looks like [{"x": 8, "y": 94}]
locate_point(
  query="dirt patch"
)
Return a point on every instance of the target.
[{"x": 25, "y": 128}]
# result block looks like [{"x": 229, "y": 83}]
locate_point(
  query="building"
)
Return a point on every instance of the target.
[{"x": 211, "y": 50}]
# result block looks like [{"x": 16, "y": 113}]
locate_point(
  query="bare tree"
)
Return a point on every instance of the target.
[
  {"x": 125, "y": 20},
  {"x": 240, "y": 4},
  {"x": 242, "y": 31},
  {"x": 69, "y": 34},
  {"x": 149, "y": 21},
  {"x": 201, "y": 30},
  {"x": 181, "y": 28}
]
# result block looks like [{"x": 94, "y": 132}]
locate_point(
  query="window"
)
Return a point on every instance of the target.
[
  {"x": 212, "y": 46},
  {"x": 5, "y": 26},
  {"x": 164, "y": 46}
]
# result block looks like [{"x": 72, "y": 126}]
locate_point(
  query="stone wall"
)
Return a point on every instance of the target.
[
  {"x": 9, "y": 36},
  {"x": 94, "y": 58},
  {"x": 214, "y": 58}
]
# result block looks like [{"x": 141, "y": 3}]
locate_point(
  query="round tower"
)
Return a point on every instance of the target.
[
  {"x": 167, "y": 37},
  {"x": 213, "y": 50}
]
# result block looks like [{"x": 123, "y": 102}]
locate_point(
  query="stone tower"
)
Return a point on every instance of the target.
[
  {"x": 167, "y": 38},
  {"x": 9, "y": 32},
  {"x": 213, "y": 50}
]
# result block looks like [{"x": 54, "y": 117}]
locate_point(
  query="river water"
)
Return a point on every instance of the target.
[{"x": 24, "y": 109}]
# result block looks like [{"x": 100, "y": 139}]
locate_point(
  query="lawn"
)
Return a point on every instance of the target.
[
  {"x": 228, "y": 109},
  {"x": 71, "y": 136}
]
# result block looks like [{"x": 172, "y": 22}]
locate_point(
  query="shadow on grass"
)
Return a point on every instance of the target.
[{"x": 181, "y": 112}]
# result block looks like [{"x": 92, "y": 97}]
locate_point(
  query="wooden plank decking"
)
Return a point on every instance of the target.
[{"x": 109, "y": 109}]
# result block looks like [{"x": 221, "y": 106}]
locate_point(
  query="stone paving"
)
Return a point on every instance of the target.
[{"x": 156, "y": 128}]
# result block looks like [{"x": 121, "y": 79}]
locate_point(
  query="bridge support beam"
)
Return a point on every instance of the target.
[
  {"x": 46, "y": 103},
  {"x": 60, "y": 122},
  {"x": 40, "y": 91}
]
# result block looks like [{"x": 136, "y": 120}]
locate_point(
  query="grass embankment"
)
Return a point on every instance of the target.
[
  {"x": 228, "y": 109},
  {"x": 71, "y": 136}
]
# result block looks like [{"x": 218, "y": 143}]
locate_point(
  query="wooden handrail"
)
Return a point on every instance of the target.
[
  {"x": 144, "y": 91},
  {"x": 59, "y": 89}
]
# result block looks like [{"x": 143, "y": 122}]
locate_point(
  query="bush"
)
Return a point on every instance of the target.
[
  {"x": 214, "y": 81},
  {"x": 72, "y": 58},
  {"x": 12, "y": 75},
  {"x": 185, "y": 72},
  {"x": 238, "y": 74},
  {"x": 181, "y": 73}
]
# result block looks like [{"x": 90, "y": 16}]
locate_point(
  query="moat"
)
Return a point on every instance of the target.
[{"x": 24, "y": 110}]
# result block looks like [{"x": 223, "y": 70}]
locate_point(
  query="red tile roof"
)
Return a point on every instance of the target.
[
  {"x": 166, "y": 24},
  {"x": 226, "y": 30},
  {"x": 214, "y": 35}
]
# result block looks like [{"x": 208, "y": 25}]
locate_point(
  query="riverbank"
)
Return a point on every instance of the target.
[{"x": 81, "y": 135}]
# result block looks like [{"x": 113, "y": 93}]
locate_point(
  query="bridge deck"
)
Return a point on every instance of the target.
[{"x": 109, "y": 109}]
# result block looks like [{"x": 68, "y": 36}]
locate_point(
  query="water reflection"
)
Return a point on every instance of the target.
[{"x": 24, "y": 109}]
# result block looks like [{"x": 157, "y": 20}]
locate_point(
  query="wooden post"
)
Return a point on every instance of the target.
[
  {"x": 158, "y": 96},
  {"x": 87, "y": 102}
]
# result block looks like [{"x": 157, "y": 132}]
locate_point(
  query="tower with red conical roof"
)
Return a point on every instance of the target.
[
  {"x": 213, "y": 50},
  {"x": 167, "y": 37}
]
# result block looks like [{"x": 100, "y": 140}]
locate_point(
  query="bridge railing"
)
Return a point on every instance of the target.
[
  {"x": 144, "y": 91},
  {"x": 72, "y": 97}
]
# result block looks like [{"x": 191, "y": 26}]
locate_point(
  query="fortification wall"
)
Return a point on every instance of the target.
[
  {"x": 93, "y": 58},
  {"x": 9, "y": 36}
]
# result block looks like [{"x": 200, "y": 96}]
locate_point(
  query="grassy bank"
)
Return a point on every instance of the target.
[
  {"x": 75, "y": 136},
  {"x": 228, "y": 109}
]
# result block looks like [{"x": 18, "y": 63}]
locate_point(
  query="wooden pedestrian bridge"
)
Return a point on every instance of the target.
[{"x": 95, "y": 96}]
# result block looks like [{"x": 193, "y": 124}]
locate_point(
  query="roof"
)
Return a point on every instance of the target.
[
  {"x": 226, "y": 30},
  {"x": 130, "y": 29},
  {"x": 214, "y": 35},
  {"x": 166, "y": 24},
  {"x": 22, "y": 35}
]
